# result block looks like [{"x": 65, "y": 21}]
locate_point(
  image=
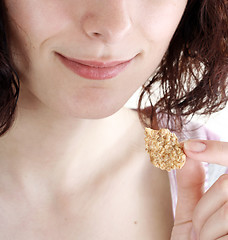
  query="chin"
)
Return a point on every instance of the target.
[
  {"x": 94, "y": 104},
  {"x": 103, "y": 114},
  {"x": 91, "y": 109},
  {"x": 98, "y": 112}
]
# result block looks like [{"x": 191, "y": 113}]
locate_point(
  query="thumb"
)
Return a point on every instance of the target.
[
  {"x": 190, "y": 183},
  {"x": 207, "y": 151}
]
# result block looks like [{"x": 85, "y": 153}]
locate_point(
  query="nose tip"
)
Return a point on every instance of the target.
[
  {"x": 108, "y": 25},
  {"x": 106, "y": 32}
]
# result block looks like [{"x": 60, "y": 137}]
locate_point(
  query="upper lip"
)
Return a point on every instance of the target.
[{"x": 97, "y": 64}]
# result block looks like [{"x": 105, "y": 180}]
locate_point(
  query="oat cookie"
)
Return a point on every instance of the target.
[{"x": 164, "y": 150}]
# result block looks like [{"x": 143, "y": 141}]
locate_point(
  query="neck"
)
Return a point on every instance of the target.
[{"x": 43, "y": 149}]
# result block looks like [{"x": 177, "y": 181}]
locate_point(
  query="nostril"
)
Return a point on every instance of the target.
[{"x": 96, "y": 34}]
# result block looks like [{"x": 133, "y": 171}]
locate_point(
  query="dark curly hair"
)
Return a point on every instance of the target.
[
  {"x": 9, "y": 82},
  {"x": 193, "y": 73}
]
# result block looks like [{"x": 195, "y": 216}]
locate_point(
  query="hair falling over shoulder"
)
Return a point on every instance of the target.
[{"x": 192, "y": 77}]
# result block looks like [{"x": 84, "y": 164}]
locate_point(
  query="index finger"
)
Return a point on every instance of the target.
[{"x": 207, "y": 151}]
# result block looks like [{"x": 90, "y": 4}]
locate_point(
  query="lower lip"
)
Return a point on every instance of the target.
[{"x": 96, "y": 73}]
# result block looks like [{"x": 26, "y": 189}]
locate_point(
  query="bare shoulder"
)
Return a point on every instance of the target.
[
  {"x": 150, "y": 183},
  {"x": 135, "y": 130}
]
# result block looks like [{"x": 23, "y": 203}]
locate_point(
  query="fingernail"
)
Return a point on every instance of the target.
[{"x": 195, "y": 146}]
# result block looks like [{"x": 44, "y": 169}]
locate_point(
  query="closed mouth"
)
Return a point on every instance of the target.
[{"x": 97, "y": 70}]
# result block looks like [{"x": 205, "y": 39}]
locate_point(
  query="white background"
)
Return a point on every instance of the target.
[{"x": 218, "y": 122}]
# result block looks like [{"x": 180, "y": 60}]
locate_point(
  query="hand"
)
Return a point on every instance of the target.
[
  {"x": 199, "y": 215},
  {"x": 207, "y": 151}
]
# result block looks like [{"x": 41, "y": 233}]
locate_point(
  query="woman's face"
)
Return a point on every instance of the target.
[{"x": 86, "y": 58}]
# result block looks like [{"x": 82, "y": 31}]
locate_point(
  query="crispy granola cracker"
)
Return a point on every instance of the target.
[{"x": 164, "y": 150}]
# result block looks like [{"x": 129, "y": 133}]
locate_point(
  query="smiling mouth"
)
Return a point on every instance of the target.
[{"x": 93, "y": 69}]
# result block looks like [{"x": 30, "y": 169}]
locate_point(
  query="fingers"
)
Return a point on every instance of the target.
[
  {"x": 210, "y": 218},
  {"x": 223, "y": 238},
  {"x": 216, "y": 226},
  {"x": 206, "y": 212},
  {"x": 207, "y": 151},
  {"x": 190, "y": 181}
]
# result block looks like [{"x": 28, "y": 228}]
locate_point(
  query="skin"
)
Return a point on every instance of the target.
[
  {"x": 86, "y": 31},
  {"x": 71, "y": 166},
  {"x": 199, "y": 215}
]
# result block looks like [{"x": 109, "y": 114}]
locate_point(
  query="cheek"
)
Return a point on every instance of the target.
[
  {"x": 161, "y": 20},
  {"x": 32, "y": 24},
  {"x": 38, "y": 19}
]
